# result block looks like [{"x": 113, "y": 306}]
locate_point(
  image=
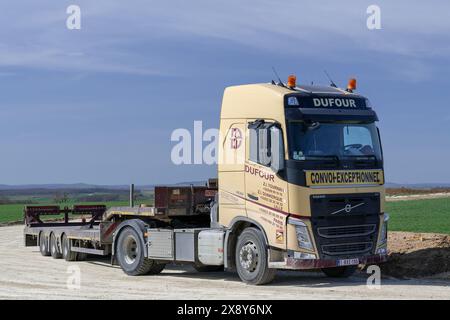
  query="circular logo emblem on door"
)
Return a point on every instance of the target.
[{"x": 236, "y": 138}]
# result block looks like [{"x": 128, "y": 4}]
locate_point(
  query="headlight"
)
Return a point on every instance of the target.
[
  {"x": 384, "y": 228},
  {"x": 304, "y": 241},
  {"x": 303, "y": 238}
]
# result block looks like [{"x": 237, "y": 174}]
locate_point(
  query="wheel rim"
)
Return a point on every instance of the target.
[
  {"x": 249, "y": 256},
  {"x": 131, "y": 249}
]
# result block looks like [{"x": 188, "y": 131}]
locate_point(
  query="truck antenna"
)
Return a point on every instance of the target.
[
  {"x": 280, "y": 83},
  {"x": 331, "y": 80}
]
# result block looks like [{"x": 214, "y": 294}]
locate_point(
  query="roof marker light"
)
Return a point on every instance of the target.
[
  {"x": 351, "y": 85},
  {"x": 291, "y": 83}
]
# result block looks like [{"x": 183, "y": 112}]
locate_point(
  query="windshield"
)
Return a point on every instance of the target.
[{"x": 310, "y": 141}]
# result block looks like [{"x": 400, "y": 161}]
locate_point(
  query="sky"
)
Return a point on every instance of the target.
[{"x": 98, "y": 105}]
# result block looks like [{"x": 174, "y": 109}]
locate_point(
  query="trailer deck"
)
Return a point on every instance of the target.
[{"x": 89, "y": 237}]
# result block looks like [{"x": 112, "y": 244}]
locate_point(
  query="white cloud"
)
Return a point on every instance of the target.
[{"x": 35, "y": 36}]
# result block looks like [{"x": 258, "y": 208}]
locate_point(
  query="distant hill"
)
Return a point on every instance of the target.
[
  {"x": 48, "y": 186},
  {"x": 86, "y": 187}
]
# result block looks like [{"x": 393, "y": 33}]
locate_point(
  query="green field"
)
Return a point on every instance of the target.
[{"x": 432, "y": 215}]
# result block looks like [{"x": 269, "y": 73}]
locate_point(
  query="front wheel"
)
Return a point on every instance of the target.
[
  {"x": 251, "y": 258},
  {"x": 340, "y": 272}
]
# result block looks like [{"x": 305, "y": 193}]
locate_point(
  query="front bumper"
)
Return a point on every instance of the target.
[{"x": 303, "y": 264}]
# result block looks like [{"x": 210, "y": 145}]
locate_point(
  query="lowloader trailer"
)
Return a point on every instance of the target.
[{"x": 300, "y": 186}]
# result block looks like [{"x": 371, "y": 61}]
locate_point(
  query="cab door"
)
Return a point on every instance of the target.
[{"x": 266, "y": 193}]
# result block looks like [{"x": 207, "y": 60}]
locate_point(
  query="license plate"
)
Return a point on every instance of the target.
[{"x": 348, "y": 262}]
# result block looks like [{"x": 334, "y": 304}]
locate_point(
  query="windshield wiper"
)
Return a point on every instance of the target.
[
  {"x": 321, "y": 157},
  {"x": 361, "y": 157}
]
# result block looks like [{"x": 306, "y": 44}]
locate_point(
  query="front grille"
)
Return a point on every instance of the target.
[
  {"x": 341, "y": 233},
  {"x": 346, "y": 248},
  {"x": 345, "y": 231}
]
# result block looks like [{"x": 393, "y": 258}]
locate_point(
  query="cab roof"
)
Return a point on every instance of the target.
[{"x": 266, "y": 100}]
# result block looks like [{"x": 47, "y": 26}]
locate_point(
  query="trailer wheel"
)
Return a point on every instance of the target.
[
  {"x": 130, "y": 254},
  {"x": 43, "y": 245},
  {"x": 67, "y": 252},
  {"x": 340, "y": 272},
  {"x": 54, "y": 247},
  {"x": 251, "y": 258}
]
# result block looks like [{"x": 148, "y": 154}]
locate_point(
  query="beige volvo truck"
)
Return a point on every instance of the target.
[{"x": 300, "y": 186}]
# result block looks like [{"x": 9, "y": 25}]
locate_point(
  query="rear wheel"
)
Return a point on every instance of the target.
[
  {"x": 54, "y": 251},
  {"x": 251, "y": 258},
  {"x": 67, "y": 252},
  {"x": 340, "y": 272},
  {"x": 43, "y": 245},
  {"x": 130, "y": 255}
]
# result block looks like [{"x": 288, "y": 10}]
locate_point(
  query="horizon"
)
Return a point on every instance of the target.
[{"x": 31, "y": 185}]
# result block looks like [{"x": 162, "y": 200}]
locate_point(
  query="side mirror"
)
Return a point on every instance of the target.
[{"x": 276, "y": 149}]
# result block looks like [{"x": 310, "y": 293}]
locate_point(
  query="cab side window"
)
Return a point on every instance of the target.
[
  {"x": 266, "y": 144},
  {"x": 260, "y": 142}
]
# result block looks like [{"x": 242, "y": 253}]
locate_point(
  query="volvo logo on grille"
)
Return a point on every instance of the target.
[{"x": 348, "y": 208}]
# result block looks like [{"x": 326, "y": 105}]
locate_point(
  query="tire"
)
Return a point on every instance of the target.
[
  {"x": 54, "y": 250},
  {"x": 130, "y": 255},
  {"x": 202, "y": 268},
  {"x": 67, "y": 252},
  {"x": 340, "y": 272},
  {"x": 43, "y": 245},
  {"x": 251, "y": 258}
]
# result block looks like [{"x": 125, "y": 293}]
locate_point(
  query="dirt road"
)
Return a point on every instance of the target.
[{"x": 25, "y": 274}]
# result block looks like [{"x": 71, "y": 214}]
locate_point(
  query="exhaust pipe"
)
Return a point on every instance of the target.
[{"x": 132, "y": 195}]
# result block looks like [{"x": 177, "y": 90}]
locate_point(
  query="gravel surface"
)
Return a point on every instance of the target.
[{"x": 25, "y": 274}]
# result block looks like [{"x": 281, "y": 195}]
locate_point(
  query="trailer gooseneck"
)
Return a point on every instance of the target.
[{"x": 300, "y": 186}]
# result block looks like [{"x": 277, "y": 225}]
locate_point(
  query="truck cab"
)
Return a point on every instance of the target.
[{"x": 302, "y": 168}]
